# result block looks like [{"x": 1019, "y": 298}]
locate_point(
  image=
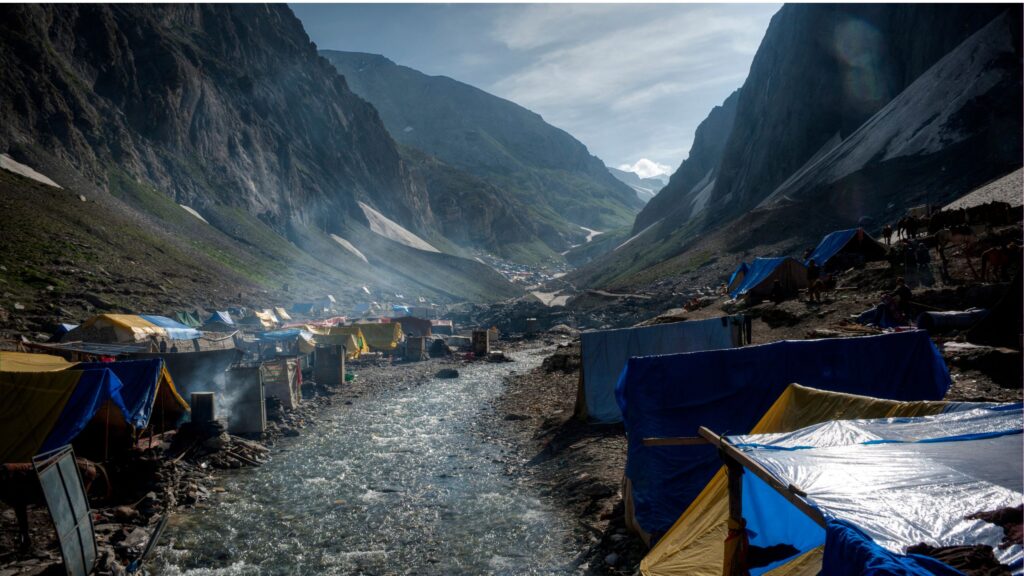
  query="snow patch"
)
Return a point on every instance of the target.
[
  {"x": 12, "y": 165},
  {"x": 351, "y": 248},
  {"x": 590, "y": 233},
  {"x": 392, "y": 230},
  {"x": 193, "y": 212},
  {"x": 638, "y": 234}
]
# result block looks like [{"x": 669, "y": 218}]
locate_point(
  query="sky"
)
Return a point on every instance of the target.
[{"x": 630, "y": 81}]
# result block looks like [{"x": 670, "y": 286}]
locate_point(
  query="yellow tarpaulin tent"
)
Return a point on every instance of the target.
[
  {"x": 696, "y": 543},
  {"x": 349, "y": 341},
  {"x": 26, "y": 362},
  {"x": 32, "y": 403},
  {"x": 267, "y": 318},
  {"x": 351, "y": 353},
  {"x": 126, "y": 327},
  {"x": 281, "y": 314},
  {"x": 384, "y": 336}
]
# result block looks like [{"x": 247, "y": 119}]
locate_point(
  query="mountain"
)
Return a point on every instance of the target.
[
  {"x": 549, "y": 175},
  {"x": 645, "y": 188},
  {"x": 850, "y": 114},
  {"x": 230, "y": 111}
]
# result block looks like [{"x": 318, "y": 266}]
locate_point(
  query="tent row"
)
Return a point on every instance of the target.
[
  {"x": 49, "y": 402},
  {"x": 838, "y": 250}
]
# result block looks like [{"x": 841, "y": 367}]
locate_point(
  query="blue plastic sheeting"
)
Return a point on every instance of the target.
[
  {"x": 886, "y": 484},
  {"x": 729, "y": 390},
  {"x": 757, "y": 272},
  {"x": 880, "y": 316},
  {"x": 63, "y": 329},
  {"x": 831, "y": 245},
  {"x": 175, "y": 330},
  {"x": 741, "y": 269},
  {"x": 139, "y": 382},
  {"x": 284, "y": 335},
  {"x": 221, "y": 317},
  {"x": 605, "y": 353},
  {"x": 849, "y": 552},
  {"x": 399, "y": 308},
  {"x": 93, "y": 389}
]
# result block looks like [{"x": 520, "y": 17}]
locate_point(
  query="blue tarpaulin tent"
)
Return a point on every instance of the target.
[
  {"x": 94, "y": 388},
  {"x": 762, "y": 273},
  {"x": 175, "y": 330},
  {"x": 860, "y": 246},
  {"x": 729, "y": 390},
  {"x": 141, "y": 381},
  {"x": 221, "y": 317},
  {"x": 285, "y": 335},
  {"x": 605, "y": 353},
  {"x": 884, "y": 485},
  {"x": 61, "y": 330},
  {"x": 737, "y": 276}
]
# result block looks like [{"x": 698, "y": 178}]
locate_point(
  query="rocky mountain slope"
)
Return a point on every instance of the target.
[
  {"x": 847, "y": 117},
  {"x": 550, "y": 175},
  {"x": 227, "y": 110},
  {"x": 645, "y": 188}
]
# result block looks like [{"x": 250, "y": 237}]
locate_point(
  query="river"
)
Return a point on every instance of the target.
[{"x": 400, "y": 482}]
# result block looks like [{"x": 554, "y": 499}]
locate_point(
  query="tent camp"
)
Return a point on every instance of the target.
[
  {"x": 883, "y": 496},
  {"x": 260, "y": 319},
  {"x": 219, "y": 321},
  {"x": 351, "y": 353},
  {"x": 762, "y": 273},
  {"x": 381, "y": 337},
  {"x": 695, "y": 545},
  {"x": 605, "y": 353},
  {"x": 129, "y": 328},
  {"x": 736, "y": 278},
  {"x": 843, "y": 249},
  {"x": 350, "y": 341},
  {"x": 49, "y": 402},
  {"x": 290, "y": 341},
  {"x": 671, "y": 396}
]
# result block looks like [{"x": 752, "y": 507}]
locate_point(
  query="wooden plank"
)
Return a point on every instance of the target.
[
  {"x": 676, "y": 441},
  {"x": 789, "y": 492}
]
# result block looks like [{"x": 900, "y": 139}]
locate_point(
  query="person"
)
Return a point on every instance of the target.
[
  {"x": 813, "y": 281},
  {"x": 903, "y": 295}
]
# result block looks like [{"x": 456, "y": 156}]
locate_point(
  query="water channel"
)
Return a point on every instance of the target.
[{"x": 400, "y": 482}]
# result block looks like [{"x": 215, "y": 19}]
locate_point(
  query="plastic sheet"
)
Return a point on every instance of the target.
[
  {"x": 790, "y": 273},
  {"x": 899, "y": 481},
  {"x": 605, "y": 353},
  {"x": 174, "y": 330}
]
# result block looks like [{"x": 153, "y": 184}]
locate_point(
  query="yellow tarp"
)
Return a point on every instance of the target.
[
  {"x": 695, "y": 545},
  {"x": 267, "y": 318},
  {"x": 25, "y": 362},
  {"x": 385, "y": 336},
  {"x": 349, "y": 341},
  {"x": 281, "y": 314},
  {"x": 352, "y": 353},
  {"x": 127, "y": 327},
  {"x": 32, "y": 403}
]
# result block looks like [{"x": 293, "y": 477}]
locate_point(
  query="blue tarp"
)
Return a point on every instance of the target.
[
  {"x": 63, "y": 329},
  {"x": 830, "y": 245},
  {"x": 605, "y": 353},
  {"x": 741, "y": 269},
  {"x": 729, "y": 390},
  {"x": 93, "y": 389},
  {"x": 284, "y": 335},
  {"x": 221, "y": 317},
  {"x": 175, "y": 330},
  {"x": 139, "y": 381},
  {"x": 760, "y": 270},
  {"x": 868, "y": 479},
  {"x": 400, "y": 308}
]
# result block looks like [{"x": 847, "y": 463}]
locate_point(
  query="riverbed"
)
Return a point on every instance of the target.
[{"x": 402, "y": 481}]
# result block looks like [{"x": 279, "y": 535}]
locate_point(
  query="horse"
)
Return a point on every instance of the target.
[
  {"x": 20, "y": 488},
  {"x": 999, "y": 258},
  {"x": 887, "y": 234}
]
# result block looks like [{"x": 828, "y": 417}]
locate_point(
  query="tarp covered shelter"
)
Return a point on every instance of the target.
[
  {"x": 26, "y": 362},
  {"x": 671, "y": 396},
  {"x": 42, "y": 411},
  {"x": 282, "y": 378},
  {"x": 352, "y": 348},
  {"x": 130, "y": 328},
  {"x": 300, "y": 340},
  {"x": 188, "y": 319},
  {"x": 412, "y": 326},
  {"x": 146, "y": 388},
  {"x": 219, "y": 321},
  {"x": 443, "y": 327},
  {"x": 62, "y": 329},
  {"x": 173, "y": 329},
  {"x": 876, "y": 487},
  {"x": 381, "y": 337},
  {"x": 696, "y": 543},
  {"x": 763, "y": 272},
  {"x": 736, "y": 278},
  {"x": 351, "y": 353},
  {"x": 605, "y": 353},
  {"x": 281, "y": 314},
  {"x": 845, "y": 248}
]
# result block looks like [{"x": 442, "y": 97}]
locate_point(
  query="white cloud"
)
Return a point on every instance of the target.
[{"x": 645, "y": 168}]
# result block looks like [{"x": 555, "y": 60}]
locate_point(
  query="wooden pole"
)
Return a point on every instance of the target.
[{"x": 676, "y": 441}]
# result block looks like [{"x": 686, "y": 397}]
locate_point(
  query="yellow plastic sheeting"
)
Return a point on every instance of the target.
[
  {"x": 385, "y": 336},
  {"x": 352, "y": 348},
  {"x": 306, "y": 344},
  {"x": 26, "y": 362},
  {"x": 361, "y": 346},
  {"x": 127, "y": 327},
  {"x": 267, "y": 318},
  {"x": 32, "y": 403},
  {"x": 695, "y": 545},
  {"x": 281, "y": 314},
  {"x": 807, "y": 564}
]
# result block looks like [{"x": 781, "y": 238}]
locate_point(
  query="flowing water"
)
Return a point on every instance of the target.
[{"x": 400, "y": 482}]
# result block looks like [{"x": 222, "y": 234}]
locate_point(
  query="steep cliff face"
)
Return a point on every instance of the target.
[
  {"x": 542, "y": 168},
  {"x": 850, "y": 114},
  {"x": 227, "y": 109},
  {"x": 689, "y": 188},
  {"x": 645, "y": 188},
  {"x": 212, "y": 104}
]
